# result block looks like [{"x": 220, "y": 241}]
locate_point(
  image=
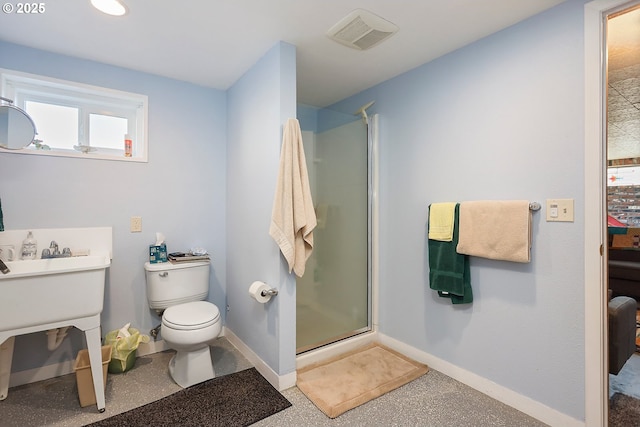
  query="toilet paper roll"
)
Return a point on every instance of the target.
[{"x": 255, "y": 290}]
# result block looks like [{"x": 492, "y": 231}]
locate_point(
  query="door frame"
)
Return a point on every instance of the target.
[
  {"x": 595, "y": 268},
  {"x": 311, "y": 351}
]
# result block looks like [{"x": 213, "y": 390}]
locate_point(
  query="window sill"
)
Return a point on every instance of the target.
[{"x": 76, "y": 154}]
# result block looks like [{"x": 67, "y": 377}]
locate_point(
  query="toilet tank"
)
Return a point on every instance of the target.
[{"x": 170, "y": 284}]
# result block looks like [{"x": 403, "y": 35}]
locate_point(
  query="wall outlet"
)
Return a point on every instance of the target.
[{"x": 136, "y": 224}]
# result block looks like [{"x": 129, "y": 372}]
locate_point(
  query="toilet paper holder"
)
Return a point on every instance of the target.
[
  {"x": 262, "y": 292},
  {"x": 271, "y": 292}
]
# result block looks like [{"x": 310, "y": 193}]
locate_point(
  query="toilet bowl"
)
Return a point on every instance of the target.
[
  {"x": 189, "y": 324},
  {"x": 190, "y": 329}
]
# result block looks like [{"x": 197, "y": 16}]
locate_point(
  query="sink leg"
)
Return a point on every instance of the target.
[
  {"x": 6, "y": 356},
  {"x": 95, "y": 359}
]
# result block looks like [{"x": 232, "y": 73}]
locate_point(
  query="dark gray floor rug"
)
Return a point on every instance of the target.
[
  {"x": 237, "y": 399},
  {"x": 624, "y": 411}
]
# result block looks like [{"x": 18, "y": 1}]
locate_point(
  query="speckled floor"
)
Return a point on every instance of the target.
[
  {"x": 432, "y": 400},
  {"x": 54, "y": 402}
]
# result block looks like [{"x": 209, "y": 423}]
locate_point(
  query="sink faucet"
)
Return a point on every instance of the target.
[
  {"x": 3, "y": 267},
  {"x": 53, "y": 251}
]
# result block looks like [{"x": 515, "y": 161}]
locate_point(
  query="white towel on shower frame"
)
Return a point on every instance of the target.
[{"x": 293, "y": 217}]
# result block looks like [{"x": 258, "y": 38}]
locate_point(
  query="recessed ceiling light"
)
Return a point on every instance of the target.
[{"x": 110, "y": 7}]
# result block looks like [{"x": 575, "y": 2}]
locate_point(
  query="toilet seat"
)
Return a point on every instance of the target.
[{"x": 191, "y": 316}]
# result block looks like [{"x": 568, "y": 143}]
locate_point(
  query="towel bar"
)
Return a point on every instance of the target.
[{"x": 534, "y": 206}]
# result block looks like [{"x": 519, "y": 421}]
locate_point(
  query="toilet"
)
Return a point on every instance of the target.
[{"x": 189, "y": 324}]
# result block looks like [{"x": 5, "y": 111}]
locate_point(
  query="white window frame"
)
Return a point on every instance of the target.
[{"x": 22, "y": 87}]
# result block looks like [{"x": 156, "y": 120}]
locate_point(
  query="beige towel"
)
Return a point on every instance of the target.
[
  {"x": 293, "y": 218},
  {"x": 496, "y": 229}
]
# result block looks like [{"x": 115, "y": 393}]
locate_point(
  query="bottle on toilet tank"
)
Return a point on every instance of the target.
[{"x": 29, "y": 247}]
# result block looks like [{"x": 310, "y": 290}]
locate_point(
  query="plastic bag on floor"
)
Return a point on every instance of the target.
[{"x": 124, "y": 343}]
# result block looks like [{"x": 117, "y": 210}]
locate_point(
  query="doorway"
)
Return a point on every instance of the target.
[
  {"x": 623, "y": 203},
  {"x": 595, "y": 231}
]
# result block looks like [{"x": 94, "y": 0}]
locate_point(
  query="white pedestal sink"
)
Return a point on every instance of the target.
[{"x": 43, "y": 294}]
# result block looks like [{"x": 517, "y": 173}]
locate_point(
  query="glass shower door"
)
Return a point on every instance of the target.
[{"x": 333, "y": 295}]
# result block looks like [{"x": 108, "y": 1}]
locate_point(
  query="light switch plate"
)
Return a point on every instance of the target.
[
  {"x": 136, "y": 224},
  {"x": 560, "y": 210}
]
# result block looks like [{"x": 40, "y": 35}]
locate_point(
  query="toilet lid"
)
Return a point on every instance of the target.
[{"x": 191, "y": 315}]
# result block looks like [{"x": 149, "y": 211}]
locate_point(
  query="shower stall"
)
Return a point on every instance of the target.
[{"x": 334, "y": 296}]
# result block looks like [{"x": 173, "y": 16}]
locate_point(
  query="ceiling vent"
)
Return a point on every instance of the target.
[{"x": 362, "y": 30}]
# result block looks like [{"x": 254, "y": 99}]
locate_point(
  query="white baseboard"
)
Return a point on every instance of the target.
[
  {"x": 509, "y": 397},
  {"x": 63, "y": 368},
  {"x": 279, "y": 382},
  {"x": 151, "y": 347},
  {"x": 335, "y": 349},
  {"x": 40, "y": 374}
]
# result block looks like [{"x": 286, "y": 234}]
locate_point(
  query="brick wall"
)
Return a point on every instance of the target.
[{"x": 624, "y": 204}]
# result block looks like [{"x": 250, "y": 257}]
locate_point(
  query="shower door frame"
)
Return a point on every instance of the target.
[{"x": 371, "y": 124}]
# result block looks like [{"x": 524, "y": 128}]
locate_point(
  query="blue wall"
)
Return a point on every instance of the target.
[
  {"x": 187, "y": 143},
  {"x": 259, "y": 105},
  {"x": 499, "y": 119}
]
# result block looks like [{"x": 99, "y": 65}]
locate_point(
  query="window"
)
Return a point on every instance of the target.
[{"x": 78, "y": 120}]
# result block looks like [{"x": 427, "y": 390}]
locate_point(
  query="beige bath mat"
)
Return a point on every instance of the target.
[{"x": 354, "y": 378}]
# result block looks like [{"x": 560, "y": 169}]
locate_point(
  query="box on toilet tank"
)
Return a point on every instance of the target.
[{"x": 158, "y": 253}]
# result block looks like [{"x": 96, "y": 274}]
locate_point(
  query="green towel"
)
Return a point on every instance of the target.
[{"x": 449, "y": 271}]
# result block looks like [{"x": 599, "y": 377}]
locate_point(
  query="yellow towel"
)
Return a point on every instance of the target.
[
  {"x": 441, "y": 219},
  {"x": 496, "y": 229},
  {"x": 293, "y": 218}
]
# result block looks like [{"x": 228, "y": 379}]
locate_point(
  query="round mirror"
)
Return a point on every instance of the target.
[{"x": 17, "y": 130}]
